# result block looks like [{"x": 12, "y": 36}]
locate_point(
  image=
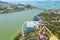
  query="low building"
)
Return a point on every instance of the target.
[
  {"x": 56, "y": 19},
  {"x": 57, "y": 12}
]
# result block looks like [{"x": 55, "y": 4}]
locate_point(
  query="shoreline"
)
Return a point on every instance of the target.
[{"x": 47, "y": 31}]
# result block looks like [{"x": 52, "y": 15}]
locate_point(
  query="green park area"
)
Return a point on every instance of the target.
[{"x": 15, "y": 8}]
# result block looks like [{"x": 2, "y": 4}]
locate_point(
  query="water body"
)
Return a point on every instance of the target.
[{"x": 11, "y": 24}]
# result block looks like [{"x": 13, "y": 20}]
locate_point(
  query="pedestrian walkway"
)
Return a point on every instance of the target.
[{"x": 52, "y": 36}]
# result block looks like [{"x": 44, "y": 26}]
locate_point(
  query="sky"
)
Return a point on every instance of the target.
[
  {"x": 18, "y": 1},
  {"x": 30, "y": 0}
]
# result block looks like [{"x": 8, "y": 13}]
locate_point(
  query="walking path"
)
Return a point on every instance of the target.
[{"x": 52, "y": 37}]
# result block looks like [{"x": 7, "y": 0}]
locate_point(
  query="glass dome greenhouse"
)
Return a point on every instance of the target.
[
  {"x": 29, "y": 27},
  {"x": 36, "y": 18}
]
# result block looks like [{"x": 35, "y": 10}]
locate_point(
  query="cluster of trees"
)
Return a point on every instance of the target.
[
  {"x": 14, "y": 8},
  {"x": 53, "y": 26}
]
